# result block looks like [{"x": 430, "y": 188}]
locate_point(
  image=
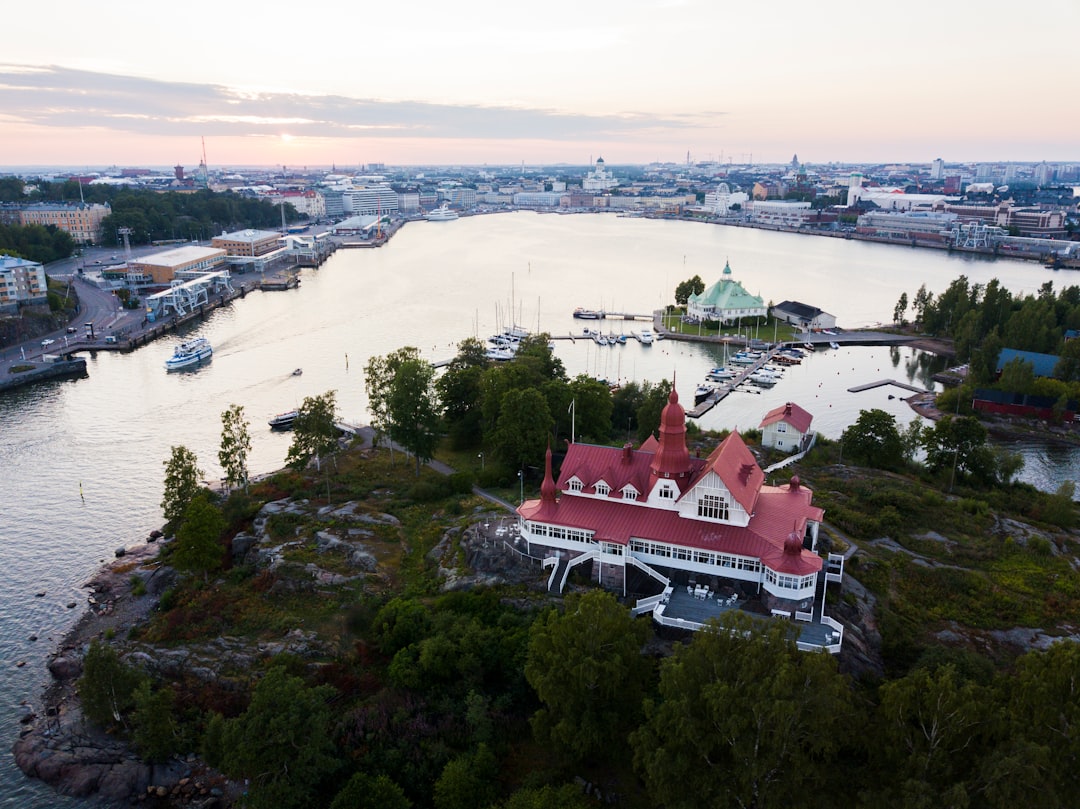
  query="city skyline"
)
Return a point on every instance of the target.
[{"x": 479, "y": 83}]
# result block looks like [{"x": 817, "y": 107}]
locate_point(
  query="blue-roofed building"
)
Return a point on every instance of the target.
[{"x": 1043, "y": 364}]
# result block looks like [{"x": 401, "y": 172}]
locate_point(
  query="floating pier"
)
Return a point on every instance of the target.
[{"x": 882, "y": 382}]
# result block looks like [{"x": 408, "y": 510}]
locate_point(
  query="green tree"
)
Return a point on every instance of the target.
[
  {"x": 182, "y": 475},
  {"x": 155, "y": 731},
  {"x": 459, "y": 390},
  {"x": 467, "y": 781},
  {"x": 364, "y": 791},
  {"x": 648, "y": 415},
  {"x": 411, "y": 408},
  {"x": 691, "y": 286},
  {"x": 315, "y": 435},
  {"x": 523, "y": 429},
  {"x": 235, "y": 446},
  {"x": 587, "y": 669},
  {"x": 198, "y": 547},
  {"x": 378, "y": 382},
  {"x": 900, "y": 310},
  {"x": 1044, "y": 712},
  {"x": 874, "y": 440},
  {"x": 1017, "y": 376},
  {"x": 107, "y": 686},
  {"x": 282, "y": 742},
  {"x": 567, "y": 796},
  {"x": 742, "y": 719},
  {"x": 1067, "y": 367},
  {"x": 957, "y": 443},
  {"x": 930, "y": 724},
  {"x": 592, "y": 408}
]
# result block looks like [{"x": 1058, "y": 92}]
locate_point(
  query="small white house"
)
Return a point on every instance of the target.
[{"x": 786, "y": 428}]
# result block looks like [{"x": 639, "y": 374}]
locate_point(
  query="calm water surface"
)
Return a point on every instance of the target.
[{"x": 82, "y": 460}]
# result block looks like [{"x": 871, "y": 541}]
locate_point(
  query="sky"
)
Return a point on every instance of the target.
[{"x": 426, "y": 82}]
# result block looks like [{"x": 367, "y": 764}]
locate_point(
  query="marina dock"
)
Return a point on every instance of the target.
[{"x": 882, "y": 382}]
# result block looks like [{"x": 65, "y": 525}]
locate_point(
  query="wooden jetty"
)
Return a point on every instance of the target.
[{"x": 882, "y": 382}]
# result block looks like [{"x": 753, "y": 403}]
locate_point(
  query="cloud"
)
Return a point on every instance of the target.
[{"x": 60, "y": 97}]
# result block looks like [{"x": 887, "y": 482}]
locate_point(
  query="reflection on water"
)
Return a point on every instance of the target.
[{"x": 82, "y": 460}]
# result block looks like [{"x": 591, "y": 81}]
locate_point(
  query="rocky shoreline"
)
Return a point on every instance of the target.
[{"x": 62, "y": 748}]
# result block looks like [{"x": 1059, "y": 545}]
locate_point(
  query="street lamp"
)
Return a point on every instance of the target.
[
  {"x": 521, "y": 483},
  {"x": 481, "y": 457}
]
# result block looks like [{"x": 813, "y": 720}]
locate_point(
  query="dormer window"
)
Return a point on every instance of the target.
[
  {"x": 666, "y": 493},
  {"x": 629, "y": 493},
  {"x": 712, "y": 506},
  {"x": 574, "y": 485},
  {"x": 603, "y": 489}
]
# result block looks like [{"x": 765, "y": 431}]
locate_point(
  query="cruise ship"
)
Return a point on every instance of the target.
[{"x": 189, "y": 353}]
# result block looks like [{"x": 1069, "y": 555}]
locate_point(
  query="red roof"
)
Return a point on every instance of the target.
[
  {"x": 779, "y": 512},
  {"x": 790, "y": 413}
]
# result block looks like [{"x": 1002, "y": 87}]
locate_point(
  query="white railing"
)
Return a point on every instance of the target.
[
  {"x": 836, "y": 560},
  {"x": 660, "y": 577},
  {"x": 644, "y": 605},
  {"x": 781, "y": 614},
  {"x": 806, "y": 617}
]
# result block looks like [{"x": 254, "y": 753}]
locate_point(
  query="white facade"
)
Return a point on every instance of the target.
[
  {"x": 599, "y": 179},
  {"x": 782, "y": 214},
  {"x": 719, "y": 202},
  {"x": 379, "y": 199}
]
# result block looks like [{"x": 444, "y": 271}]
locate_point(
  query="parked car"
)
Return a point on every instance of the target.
[{"x": 46, "y": 343}]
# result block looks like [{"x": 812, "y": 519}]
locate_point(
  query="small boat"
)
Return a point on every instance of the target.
[
  {"x": 645, "y": 337},
  {"x": 284, "y": 421},
  {"x": 703, "y": 392},
  {"x": 589, "y": 314},
  {"x": 720, "y": 374},
  {"x": 189, "y": 353},
  {"x": 833, "y": 344},
  {"x": 298, "y": 371}
]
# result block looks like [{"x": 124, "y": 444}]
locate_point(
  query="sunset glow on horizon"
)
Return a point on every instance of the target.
[{"x": 482, "y": 83}]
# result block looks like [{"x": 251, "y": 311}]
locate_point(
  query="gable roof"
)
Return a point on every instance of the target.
[
  {"x": 1043, "y": 364},
  {"x": 803, "y": 310},
  {"x": 790, "y": 413}
]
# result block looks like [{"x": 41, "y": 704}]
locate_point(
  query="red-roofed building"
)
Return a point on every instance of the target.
[
  {"x": 786, "y": 428},
  {"x": 678, "y": 518}
]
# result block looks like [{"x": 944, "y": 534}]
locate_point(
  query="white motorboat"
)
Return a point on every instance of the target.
[
  {"x": 441, "y": 214},
  {"x": 284, "y": 421},
  {"x": 645, "y": 337},
  {"x": 189, "y": 353}
]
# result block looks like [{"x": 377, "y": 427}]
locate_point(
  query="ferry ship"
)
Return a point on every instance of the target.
[{"x": 189, "y": 353}]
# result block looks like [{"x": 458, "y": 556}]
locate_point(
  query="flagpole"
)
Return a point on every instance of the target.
[{"x": 572, "y": 410}]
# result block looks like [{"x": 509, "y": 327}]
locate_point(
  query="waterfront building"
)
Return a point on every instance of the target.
[
  {"x": 719, "y": 202},
  {"x": 81, "y": 220},
  {"x": 22, "y": 283},
  {"x": 786, "y": 428},
  {"x": 376, "y": 199},
  {"x": 786, "y": 214},
  {"x": 891, "y": 198},
  {"x": 537, "y": 199},
  {"x": 805, "y": 317},
  {"x": 162, "y": 268},
  {"x": 678, "y": 519},
  {"x": 1024, "y": 220},
  {"x": 458, "y": 197},
  {"x": 726, "y": 301},
  {"x": 599, "y": 179},
  {"x": 922, "y": 225},
  {"x": 250, "y": 249},
  {"x": 307, "y": 203}
]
